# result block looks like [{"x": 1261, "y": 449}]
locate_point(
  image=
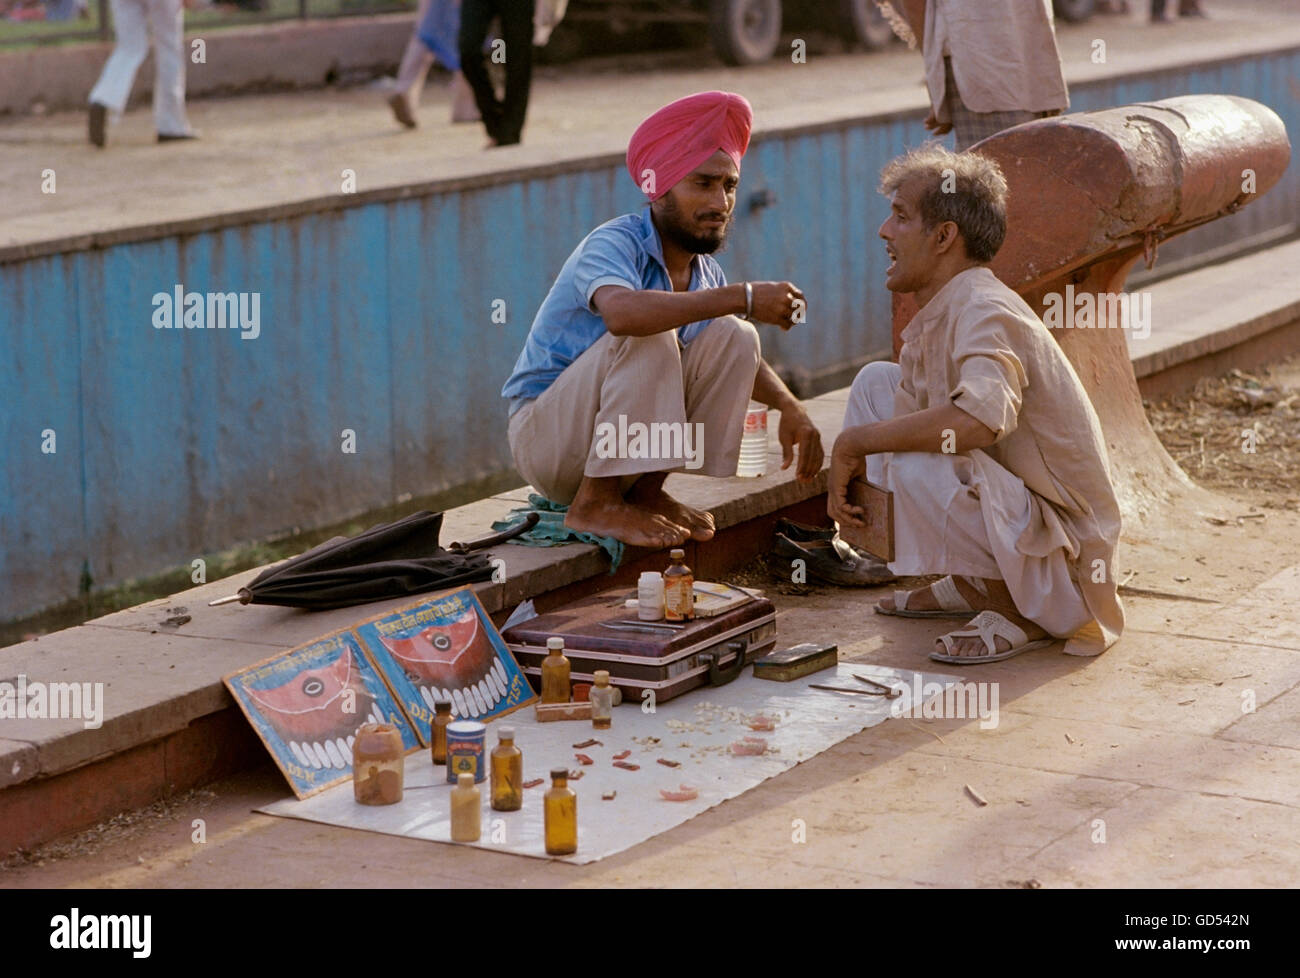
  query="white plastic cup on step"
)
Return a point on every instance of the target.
[{"x": 753, "y": 443}]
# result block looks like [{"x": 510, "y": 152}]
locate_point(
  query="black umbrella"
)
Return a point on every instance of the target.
[{"x": 386, "y": 561}]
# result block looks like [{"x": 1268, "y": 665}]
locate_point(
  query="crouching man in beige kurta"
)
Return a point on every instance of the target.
[{"x": 984, "y": 434}]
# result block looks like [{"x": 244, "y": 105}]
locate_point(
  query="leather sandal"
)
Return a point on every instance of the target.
[
  {"x": 951, "y": 602},
  {"x": 988, "y": 626}
]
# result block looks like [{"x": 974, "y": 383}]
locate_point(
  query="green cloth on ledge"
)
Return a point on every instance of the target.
[{"x": 550, "y": 530}]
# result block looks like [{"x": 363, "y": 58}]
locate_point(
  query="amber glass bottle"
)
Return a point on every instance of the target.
[
  {"x": 555, "y": 672},
  {"x": 561, "y": 822},
  {"x": 679, "y": 589},
  {"x": 466, "y": 810},
  {"x": 377, "y": 764},
  {"x": 441, "y": 717},
  {"x": 507, "y": 773},
  {"x": 602, "y": 701}
]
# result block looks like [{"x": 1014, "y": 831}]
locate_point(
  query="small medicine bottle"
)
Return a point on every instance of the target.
[
  {"x": 679, "y": 588},
  {"x": 441, "y": 717},
  {"x": 602, "y": 701},
  {"x": 466, "y": 810},
  {"x": 561, "y": 819},
  {"x": 377, "y": 764},
  {"x": 507, "y": 773},
  {"x": 650, "y": 596},
  {"x": 555, "y": 672}
]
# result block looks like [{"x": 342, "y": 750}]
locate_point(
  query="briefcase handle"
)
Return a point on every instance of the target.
[{"x": 719, "y": 676}]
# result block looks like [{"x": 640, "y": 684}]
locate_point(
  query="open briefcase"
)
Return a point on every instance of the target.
[{"x": 669, "y": 658}]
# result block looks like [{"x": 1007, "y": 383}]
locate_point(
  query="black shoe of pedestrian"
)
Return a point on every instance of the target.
[
  {"x": 801, "y": 533},
  {"x": 98, "y": 123},
  {"x": 171, "y": 137},
  {"x": 836, "y": 562}
]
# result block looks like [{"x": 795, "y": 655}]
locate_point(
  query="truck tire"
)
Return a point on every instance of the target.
[
  {"x": 744, "y": 32},
  {"x": 1075, "y": 11},
  {"x": 862, "y": 21}
]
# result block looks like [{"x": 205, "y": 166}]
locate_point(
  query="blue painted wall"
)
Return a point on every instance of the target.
[{"x": 378, "y": 318}]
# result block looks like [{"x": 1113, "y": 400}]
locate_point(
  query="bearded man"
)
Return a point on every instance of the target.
[{"x": 642, "y": 334}]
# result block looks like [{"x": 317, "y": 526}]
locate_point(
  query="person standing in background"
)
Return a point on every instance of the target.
[
  {"x": 989, "y": 65},
  {"x": 1186, "y": 8},
  {"x": 134, "y": 21},
  {"x": 503, "y": 118},
  {"x": 437, "y": 28}
]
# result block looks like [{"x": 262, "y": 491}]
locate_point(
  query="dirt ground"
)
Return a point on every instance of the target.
[{"x": 1211, "y": 433}]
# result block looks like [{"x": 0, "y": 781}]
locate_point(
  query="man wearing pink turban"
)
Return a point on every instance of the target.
[{"x": 642, "y": 359}]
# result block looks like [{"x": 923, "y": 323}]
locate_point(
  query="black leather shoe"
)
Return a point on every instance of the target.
[
  {"x": 171, "y": 137},
  {"x": 836, "y": 562},
  {"x": 802, "y": 533},
  {"x": 98, "y": 123}
]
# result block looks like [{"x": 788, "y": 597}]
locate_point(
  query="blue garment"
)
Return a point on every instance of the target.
[
  {"x": 440, "y": 31},
  {"x": 550, "y": 530},
  {"x": 625, "y": 251}
]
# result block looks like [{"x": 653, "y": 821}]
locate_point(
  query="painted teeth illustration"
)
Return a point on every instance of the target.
[
  {"x": 332, "y": 752},
  {"x": 315, "y": 712}
]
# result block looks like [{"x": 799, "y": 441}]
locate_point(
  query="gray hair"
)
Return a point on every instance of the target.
[{"x": 965, "y": 188}]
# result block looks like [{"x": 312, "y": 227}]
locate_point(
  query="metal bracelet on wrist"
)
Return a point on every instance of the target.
[{"x": 749, "y": 301}]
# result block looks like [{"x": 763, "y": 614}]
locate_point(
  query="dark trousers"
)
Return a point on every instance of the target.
[{"x": 504, "y": 118}]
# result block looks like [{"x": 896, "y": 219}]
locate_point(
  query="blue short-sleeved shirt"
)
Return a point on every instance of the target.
[{"x": 625, "y": 251}]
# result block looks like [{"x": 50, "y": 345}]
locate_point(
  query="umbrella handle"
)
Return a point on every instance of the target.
[
  {"x": 243, "y": 597},
  {"x": 523, "y": 526}
]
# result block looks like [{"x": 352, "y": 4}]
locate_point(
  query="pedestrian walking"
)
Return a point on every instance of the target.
[
  {"x": 434, "y": 38},
  {"x": 134, "y": 21},
  {"x": 1186, "y": 8},
  {"x": 502, "y": 117}
]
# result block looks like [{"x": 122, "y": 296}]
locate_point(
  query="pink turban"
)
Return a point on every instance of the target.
[{"x": 683, "y": 134}]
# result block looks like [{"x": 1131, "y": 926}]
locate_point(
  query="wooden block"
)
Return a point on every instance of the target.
[
  {"x": 877, "y": 504},
  {"x": 546, "y": 712}
]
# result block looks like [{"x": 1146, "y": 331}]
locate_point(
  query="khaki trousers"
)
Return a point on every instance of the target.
[{"x": 691, "y": 402}]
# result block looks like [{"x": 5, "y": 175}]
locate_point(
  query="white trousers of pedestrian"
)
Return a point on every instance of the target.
[
  {"x": 962, "y": 514},
  {"x": 133, "y": 22}
]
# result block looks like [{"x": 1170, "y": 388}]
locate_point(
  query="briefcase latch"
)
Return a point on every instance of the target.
[{"x": 719, "y": 676}]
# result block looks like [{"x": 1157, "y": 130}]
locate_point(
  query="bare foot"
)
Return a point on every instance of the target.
[
  {"x": 697, "y": 521},
  {"x": 631, "y": 524},
  {"x": 973, "y": 646}
]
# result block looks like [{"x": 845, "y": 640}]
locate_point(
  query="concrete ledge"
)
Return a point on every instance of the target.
[{"x": 1219, "y": 307}]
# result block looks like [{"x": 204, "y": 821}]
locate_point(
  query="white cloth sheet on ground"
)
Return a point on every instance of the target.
[{"x": 810, "y": 721}]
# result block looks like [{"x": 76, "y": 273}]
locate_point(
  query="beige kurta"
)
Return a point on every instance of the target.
[
  {"x": 978, "y": 344},
  {"x": 1004, "y": 55}
]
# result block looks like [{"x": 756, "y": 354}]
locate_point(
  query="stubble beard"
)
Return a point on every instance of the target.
[{"x": 675, "y": 230}]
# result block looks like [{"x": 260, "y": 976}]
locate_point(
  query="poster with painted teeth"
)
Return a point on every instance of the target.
[
  {"x": 446, "y": 647},
  {"x": 307, "y": 704}
]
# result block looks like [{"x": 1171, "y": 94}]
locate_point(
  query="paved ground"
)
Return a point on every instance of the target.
[
  {"x": 1140, "y": 768},
  {"x": 264, "y": 150}
]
